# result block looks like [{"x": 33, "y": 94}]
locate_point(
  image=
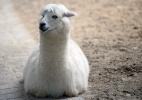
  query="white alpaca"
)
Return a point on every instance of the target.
[{"x": 57, "y": 65}]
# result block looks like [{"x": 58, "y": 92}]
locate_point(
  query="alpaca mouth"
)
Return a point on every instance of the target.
[{"x": 43, "y": 29}]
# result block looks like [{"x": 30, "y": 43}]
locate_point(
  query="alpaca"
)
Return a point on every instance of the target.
[{"x": 56, "y": 66}]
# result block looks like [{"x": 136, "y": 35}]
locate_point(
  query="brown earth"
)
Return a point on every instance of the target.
[{"x": 110, "y": 34}]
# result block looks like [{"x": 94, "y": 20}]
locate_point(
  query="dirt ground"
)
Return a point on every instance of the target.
[{"x": 110, "y": 34}]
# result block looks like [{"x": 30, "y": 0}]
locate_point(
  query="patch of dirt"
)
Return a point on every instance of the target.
[{"x": 110, "y": 34}]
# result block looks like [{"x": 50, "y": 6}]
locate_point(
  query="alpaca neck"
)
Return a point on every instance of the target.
[{"x": 52, "y": 52}]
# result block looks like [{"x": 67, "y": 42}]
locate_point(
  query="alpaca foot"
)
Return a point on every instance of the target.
[{"x": 72, "y": 93}]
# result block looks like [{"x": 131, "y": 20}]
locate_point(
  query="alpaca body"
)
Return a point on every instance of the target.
[
  {"x": 57, "y": 76},
  {"x": 57, "y": 65}
]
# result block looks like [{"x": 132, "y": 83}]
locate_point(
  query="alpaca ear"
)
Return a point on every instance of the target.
[{"x": 69, "y": 14}]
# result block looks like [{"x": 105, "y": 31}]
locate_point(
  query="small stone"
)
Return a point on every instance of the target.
[
  {"x": 135, "y": 27},
  {"x": 128, "y": 95},
  {"x": 135, "y": 48}
]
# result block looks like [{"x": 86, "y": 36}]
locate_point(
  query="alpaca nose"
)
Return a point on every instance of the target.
[{"x": 42, "y": 26}]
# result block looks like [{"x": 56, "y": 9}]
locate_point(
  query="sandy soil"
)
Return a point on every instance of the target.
[{"x": 110, "y": 34}]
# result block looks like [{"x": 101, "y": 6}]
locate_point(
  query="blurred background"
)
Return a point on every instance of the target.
[{"x": 110, "y": 34}]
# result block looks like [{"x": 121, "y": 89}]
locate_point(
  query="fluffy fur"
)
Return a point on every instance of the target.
[{"x": 57, "y": 65}]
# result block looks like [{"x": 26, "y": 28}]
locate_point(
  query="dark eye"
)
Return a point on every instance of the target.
[
  {"x": 42, "y": 16},
  {"x": 55, "y": 16}
]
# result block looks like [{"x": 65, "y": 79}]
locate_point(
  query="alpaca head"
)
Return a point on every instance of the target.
[{"x": 55, "y": 19}]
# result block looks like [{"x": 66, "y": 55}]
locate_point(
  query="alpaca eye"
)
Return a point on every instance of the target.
[
  {"x": 55, "y": 16},
  {"x": 42, "y": 16}
]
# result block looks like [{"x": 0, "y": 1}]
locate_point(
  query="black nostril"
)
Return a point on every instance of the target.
[{"x": 42, "y": 24}]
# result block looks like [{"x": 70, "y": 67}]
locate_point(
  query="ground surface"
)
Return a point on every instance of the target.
[{"x": 110, "y": 34}]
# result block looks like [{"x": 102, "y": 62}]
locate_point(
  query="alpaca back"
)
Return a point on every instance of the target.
[{"x": 79, "y": 64}]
